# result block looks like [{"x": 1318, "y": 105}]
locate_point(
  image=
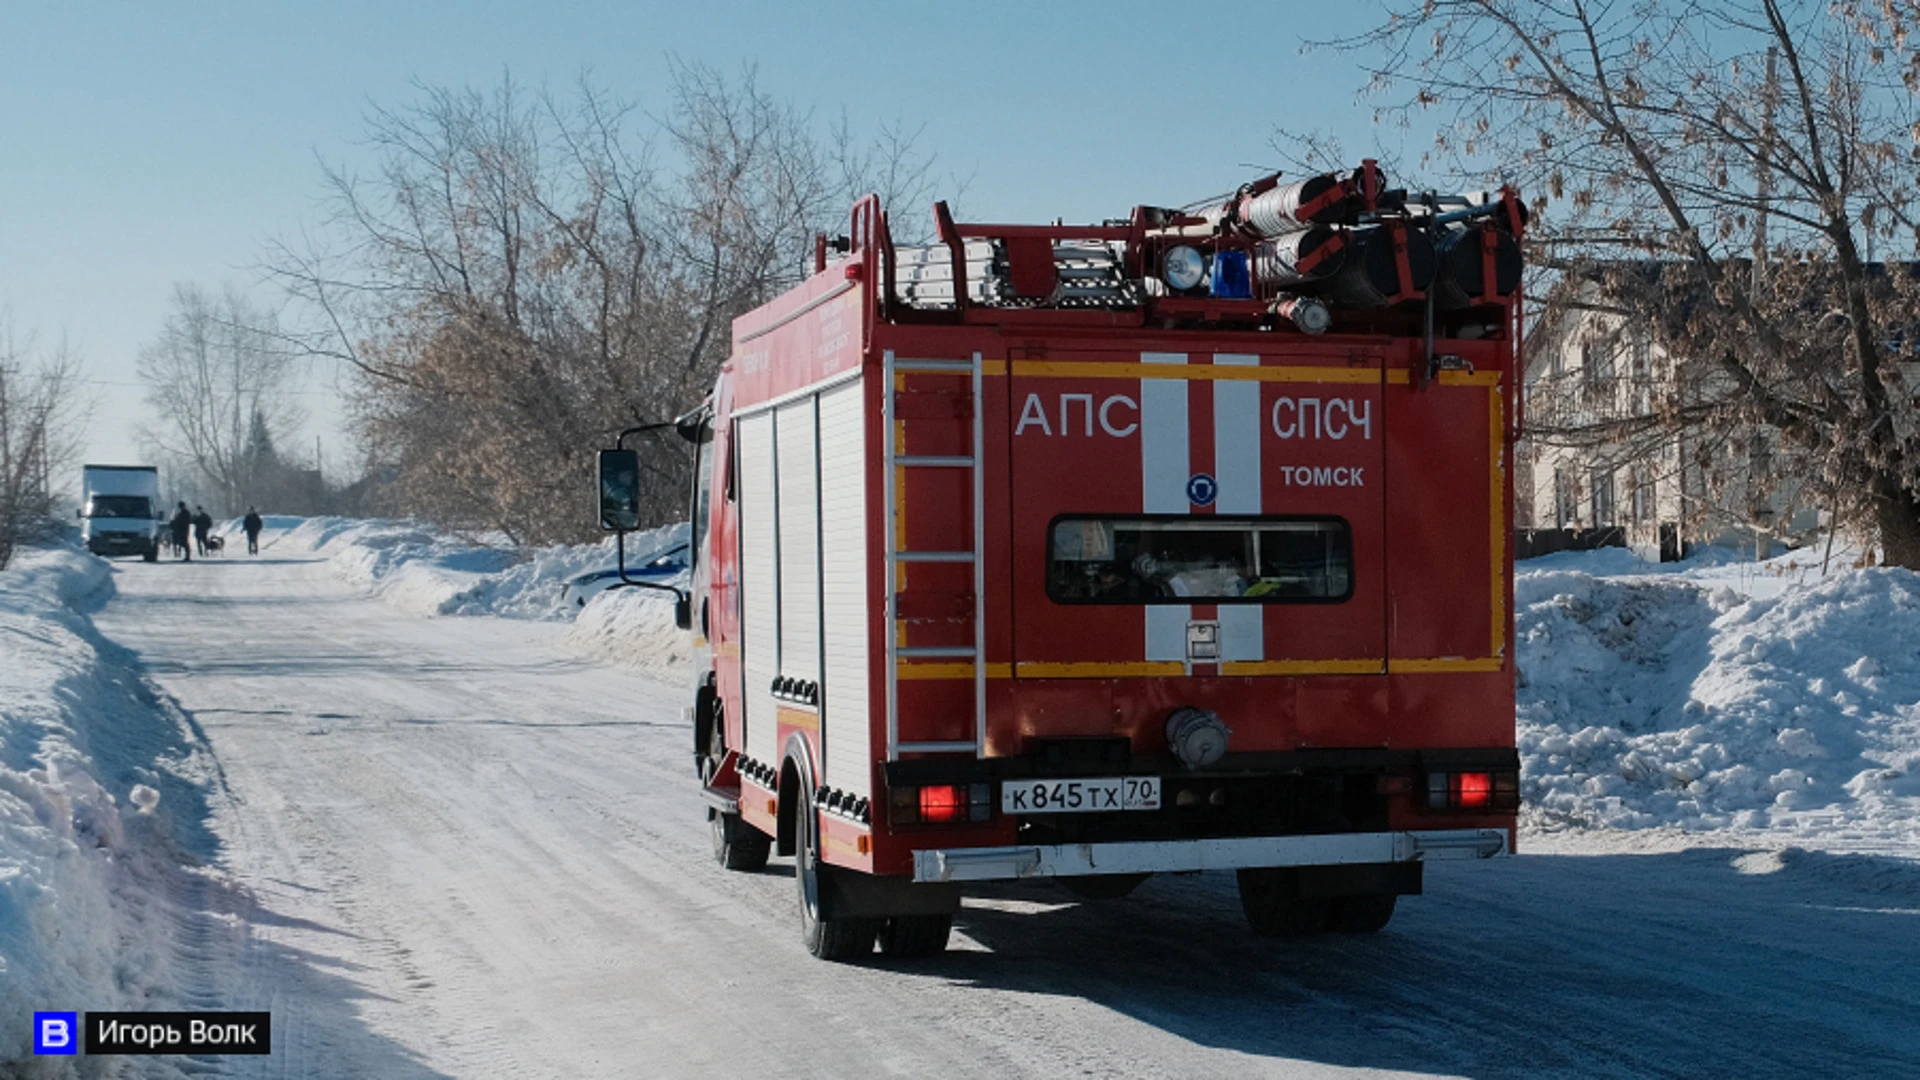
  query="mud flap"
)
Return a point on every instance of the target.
[
  {"x": 1362, "y": 879},
  {"x": 853, "y": 894}
]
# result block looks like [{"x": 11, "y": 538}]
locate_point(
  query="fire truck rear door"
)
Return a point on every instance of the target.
[{"x": 1198, "y": 512}]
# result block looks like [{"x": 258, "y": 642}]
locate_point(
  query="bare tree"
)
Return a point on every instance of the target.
[
  {"x": 520, "y": 278},
  {"x": 1720, "y": 173},
  {"x": 218, "y": 371},
  {"x": 42, "y": 410}
]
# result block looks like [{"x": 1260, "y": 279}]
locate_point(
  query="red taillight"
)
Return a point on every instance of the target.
[
  {"x": 942, "y": 803},
  {"x": 1472, "y": 789}
]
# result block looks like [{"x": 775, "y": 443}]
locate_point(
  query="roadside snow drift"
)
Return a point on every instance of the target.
[
  {"x": 633, "y": 627},
  {"x": 423, "y": 571},
  {"x": 1653, "y": 700},
  {"x": 85, "y": 864}
]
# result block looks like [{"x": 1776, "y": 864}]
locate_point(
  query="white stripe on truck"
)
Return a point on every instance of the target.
[
  {"x": 1236, "y": 466},
  {"x": 1164, "y": 471}
]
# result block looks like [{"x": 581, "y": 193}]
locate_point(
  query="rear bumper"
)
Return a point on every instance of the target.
[{"x": 1174, "y": 856}]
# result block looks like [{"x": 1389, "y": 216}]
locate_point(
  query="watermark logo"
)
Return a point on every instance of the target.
[{"x": 56, "y": 1033}]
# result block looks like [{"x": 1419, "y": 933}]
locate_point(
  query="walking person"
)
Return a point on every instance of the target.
[
  {"x": 252, "y": 524},
  {"x": 202, "y": 522},
  {"x": 182, "y": 524}
]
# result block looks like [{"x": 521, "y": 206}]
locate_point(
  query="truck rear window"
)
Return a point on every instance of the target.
[{"x": 1185, "y": 560}]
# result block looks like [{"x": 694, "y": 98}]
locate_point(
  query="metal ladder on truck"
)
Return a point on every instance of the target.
[{"x": 898, "y": 466}]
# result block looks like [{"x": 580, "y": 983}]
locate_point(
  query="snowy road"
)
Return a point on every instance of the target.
[{"x": 461, "y": 851}]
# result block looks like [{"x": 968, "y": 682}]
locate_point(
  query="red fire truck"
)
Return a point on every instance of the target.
[{"x": 1169, "y": 544}]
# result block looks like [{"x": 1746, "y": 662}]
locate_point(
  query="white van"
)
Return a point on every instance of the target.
[{"x": 122, "y": 514}]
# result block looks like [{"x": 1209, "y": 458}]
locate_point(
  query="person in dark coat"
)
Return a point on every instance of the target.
[
  {"x": 182, "y": 524},
  {"x": 252, "y": 525},
  {"x": 202, "y": 521}
]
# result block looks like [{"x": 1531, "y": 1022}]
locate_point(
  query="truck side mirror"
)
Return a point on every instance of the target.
[
  {"x": 619, "y": 490},
  {"x": 683, "y": 612}
]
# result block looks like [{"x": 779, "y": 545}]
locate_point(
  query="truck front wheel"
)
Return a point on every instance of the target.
[
  {"x": 1275, "y": 905},
  {"x": 152, "y": 554},
  {"x": 828, "y": 936},
  {"x": 736, "y": 844}
]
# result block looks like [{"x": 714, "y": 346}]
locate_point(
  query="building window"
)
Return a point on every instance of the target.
[
  {"x": 1644, "y": 495},
  {"x": 1642, "y": 355},
  {"x": 1564, "y": 512},
  {"x": 1602, "y": 497},
  {"x": 1596, "y": 357}
]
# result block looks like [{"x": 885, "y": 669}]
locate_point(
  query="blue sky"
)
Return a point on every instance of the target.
[{"x": 147, "y": 144}]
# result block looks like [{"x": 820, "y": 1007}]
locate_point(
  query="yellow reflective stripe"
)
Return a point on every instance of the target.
[
  {"x": 1303, "y": 667},
  {"x": 960, "y": 670},
  {"x": 1403, "y": 377},
  {"x": 1497, "y": 529},
  {"x": 1101, "y": 370},
  {"x": 1399, "y": 665},
  {"x": 805, "y": 719},
  {"x": 1042, "y": 670}
]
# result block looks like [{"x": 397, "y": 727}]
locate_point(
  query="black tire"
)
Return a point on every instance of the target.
[
  {"x": 1365, "y": 914},
  {"x": 905, "y": 936},
  {"x": 1272, "y": 900},
  {"x": 828, "y": 936},
  {"x": 708, "y": 744},
  {"x": 736, "y": 844},
  {"x": 152, "y": 554}
]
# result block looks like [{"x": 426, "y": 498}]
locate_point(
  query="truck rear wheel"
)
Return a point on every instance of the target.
[
  {"x": 828, "y": 936},
  {"x": 1275, "y": 905},
  {"x": 906, "y": 936},
  {"x": 736, "y": 844},
  {"x": 1365, "y": 914}
]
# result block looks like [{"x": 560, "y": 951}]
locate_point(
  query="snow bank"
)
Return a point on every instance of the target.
[
  {"x": 1675, "y": 700},
  {"x": 634, "y": 627},
  {"x": 427, "y": 572},
  {"x": 80, "y": 857}
]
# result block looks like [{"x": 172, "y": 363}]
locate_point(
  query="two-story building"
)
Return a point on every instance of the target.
[{"x": 1611, "y": 444}]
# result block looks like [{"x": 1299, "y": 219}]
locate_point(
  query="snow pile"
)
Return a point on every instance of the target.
[
  {"x": 423, "y": 571},
  {"x": 635, "y": 627},
  {"x": 1656, "y": 699},
  {"x": 79, "y": 928}
]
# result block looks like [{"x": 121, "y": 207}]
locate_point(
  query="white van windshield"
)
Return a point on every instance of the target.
[{"x": 119, "y": 506}]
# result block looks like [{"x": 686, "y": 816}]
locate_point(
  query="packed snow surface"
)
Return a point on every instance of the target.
[
  {"x": 458, "y": 847},
  {"x": 467, "y": 852}
]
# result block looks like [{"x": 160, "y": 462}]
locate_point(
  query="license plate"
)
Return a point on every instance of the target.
[{"x": 1084, "y": 796}]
